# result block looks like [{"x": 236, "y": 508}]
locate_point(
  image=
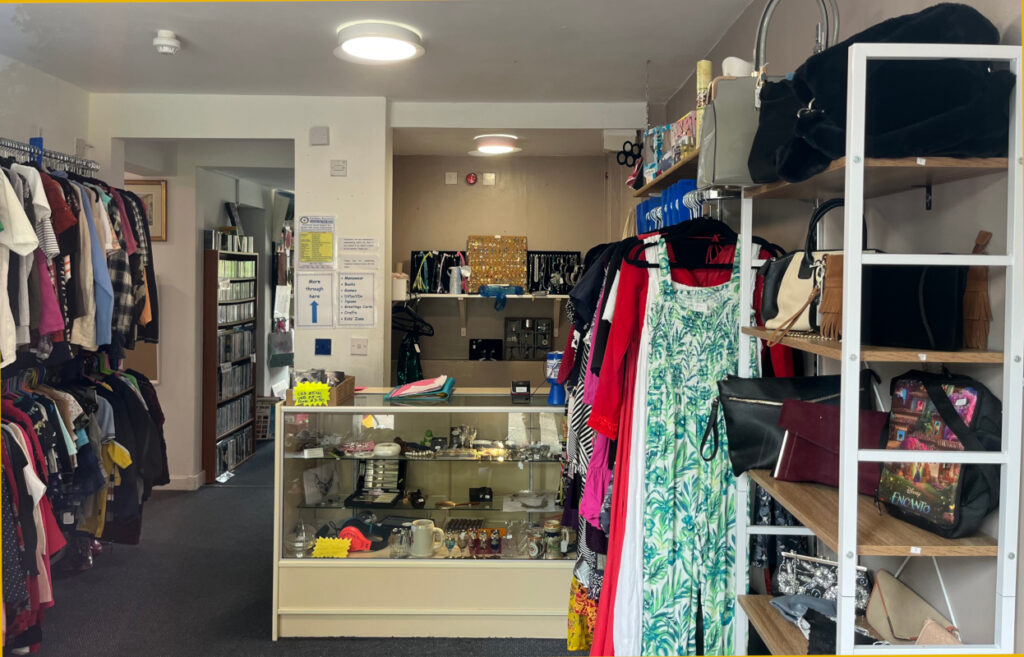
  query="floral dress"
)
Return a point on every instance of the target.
[{"x": 689, "y": 503}]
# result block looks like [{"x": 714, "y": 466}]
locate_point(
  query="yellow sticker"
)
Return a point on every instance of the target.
[
  {"x": 311, "y": 393},
  {"x": 331, "y": 548},
  {"x": 369, "y": 421}
]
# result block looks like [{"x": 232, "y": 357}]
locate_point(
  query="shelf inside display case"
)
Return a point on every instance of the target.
[{"x": 429, "y": 459}]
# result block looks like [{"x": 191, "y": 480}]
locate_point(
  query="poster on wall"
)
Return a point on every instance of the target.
[
  {"x": 314, "y": 300},
  {"x": 316, "y": 242},
  {"x": 355, "y": 300}
]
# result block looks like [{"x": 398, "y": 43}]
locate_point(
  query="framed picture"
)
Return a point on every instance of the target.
[{"x": 154, "y": 196}]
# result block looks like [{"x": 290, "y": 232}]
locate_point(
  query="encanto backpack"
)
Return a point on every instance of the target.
[{"x": 942, "y": 412}]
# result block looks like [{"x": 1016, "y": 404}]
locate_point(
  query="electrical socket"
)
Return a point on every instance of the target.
[{"x": 360, "y": 347}]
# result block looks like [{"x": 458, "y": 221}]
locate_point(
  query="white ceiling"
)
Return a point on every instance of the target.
[
  {"x": 476, "y": 50},
  {"x": 453, "y": 142}
]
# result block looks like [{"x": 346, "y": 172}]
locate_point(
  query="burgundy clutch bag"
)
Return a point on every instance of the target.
[{"x": 810, "y": 445}]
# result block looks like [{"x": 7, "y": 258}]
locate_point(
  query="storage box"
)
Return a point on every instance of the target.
[{"x": 343, "y": 394}]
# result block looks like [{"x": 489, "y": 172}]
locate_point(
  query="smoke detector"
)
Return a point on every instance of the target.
[{"x": 166, "y": 42}]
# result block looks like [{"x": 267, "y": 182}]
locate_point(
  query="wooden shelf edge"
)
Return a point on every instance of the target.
[
  {"x": 834, "y": 349},
  {"x": 974, "y": 166},
  {"x": 231, "y": 431},
  {"x": 237, "y": 394},
  {"x": 671, "y": 175},
  {"x": 781, "y": 636},
  {"x": 816, "y": 506}
]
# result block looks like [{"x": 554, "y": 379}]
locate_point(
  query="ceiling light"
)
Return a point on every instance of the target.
[
  {"x": 377, "y": 42},
  {"x": 166, "y": 42},
  {"x": 495, "y": 145}
]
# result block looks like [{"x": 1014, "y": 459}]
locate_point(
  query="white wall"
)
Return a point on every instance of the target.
[{"x": 36, "y": 103}]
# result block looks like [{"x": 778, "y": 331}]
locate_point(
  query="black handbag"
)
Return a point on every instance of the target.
[
  {"x": 953, "y": 108},
  {"x": 942, "y": 412},
  {"x": 751, "y": 409},
  {"x": 913, "y": 307}
]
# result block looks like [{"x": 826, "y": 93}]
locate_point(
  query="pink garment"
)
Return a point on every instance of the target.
[
  {"x": 598, "y": 476},
  {"x": 590, "y": 380},
  {"x": 130, "y": 244},
  {"x": 50, "y": 318}
]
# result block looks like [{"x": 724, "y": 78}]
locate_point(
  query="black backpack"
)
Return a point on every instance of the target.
[{"x": 928, "y": 413}]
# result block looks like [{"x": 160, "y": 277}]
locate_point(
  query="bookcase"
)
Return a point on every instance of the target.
[{"x": 230, "y": 360}]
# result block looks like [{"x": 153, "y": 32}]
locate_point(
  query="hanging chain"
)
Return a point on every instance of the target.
[{"x": 647, "y": 95}]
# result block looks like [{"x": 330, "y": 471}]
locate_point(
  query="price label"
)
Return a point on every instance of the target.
[
  {"x": 915, "y": 550},
  {"x": 313, "y": 453},
  {"x": 224, "y": 367}
]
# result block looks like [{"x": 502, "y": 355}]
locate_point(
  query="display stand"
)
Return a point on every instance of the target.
[
  {"x": 847, "y": 523},
  {"x": 505, "y": 594}
]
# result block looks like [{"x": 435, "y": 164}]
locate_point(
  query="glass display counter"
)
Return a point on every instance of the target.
[{"x": 452, "y": 514}]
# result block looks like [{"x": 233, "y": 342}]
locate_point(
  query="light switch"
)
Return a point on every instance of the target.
[
  {"x": 360, "y": 347},
  {"x": 339, "y": 168},
  {"x": 319, "y": 135},
  {"x": 487, "y": 179},
  {"x": 451, "y": 177}
]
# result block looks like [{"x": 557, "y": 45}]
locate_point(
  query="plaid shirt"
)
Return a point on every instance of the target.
[{"x": 120, "y": 278}]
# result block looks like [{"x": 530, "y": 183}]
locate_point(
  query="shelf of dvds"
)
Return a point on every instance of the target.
[{"x": 230, "y": 360}]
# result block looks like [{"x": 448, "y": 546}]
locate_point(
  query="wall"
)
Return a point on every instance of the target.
[
  {"x": 35, "y": 103},
  {"x": 559, "y": 203},
  {"x": 791, "y": 34}
]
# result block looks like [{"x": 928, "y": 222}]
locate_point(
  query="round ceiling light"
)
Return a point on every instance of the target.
[
  {"x": 377, "y": 42},
  {"x": 495, "y": 145}
]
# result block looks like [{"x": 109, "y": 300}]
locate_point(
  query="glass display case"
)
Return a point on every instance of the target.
[{"x": 445, "y": 489}]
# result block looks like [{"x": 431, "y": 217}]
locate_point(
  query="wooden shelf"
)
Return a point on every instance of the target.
[
  {"x": 231, "y": 431},
  {"x": 684, "y": 168},
  {"x": 781, "y": 636},
  {"x": 477, "y": 296},
  {"x": 882, "y": 176},
  {"x": 251, "y": 320},
  {"x": 816, "y": 506},
  {"x": 834, "y": 349},
  {"x": 237, "y": 395}
]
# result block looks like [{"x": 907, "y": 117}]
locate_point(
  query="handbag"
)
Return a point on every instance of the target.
[
  {"x": 810, "y": 445},
  {"x": 731, "y": 117},
  {"x": 910, "y": 111},
  {"x": 798, "y": 574},
  {"x": 942, "y": 412},
  {"x": 281, "y": 347},
  {"x": 792, "y": 283},
  {"x": 914, "y": 306},
  {"x": 933, "y": 634},
  {"x": 751, "y": 410},
  {"x": 896, "y": 613}
]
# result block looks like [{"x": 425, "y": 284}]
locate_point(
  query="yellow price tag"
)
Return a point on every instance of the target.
[{"x": 311, "y": 393}]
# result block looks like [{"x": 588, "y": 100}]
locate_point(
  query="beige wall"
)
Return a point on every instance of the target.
[
  {"x": 559, "y": 203},
  {"x": 37, "y": 104},
  {"x": 791, "y": 34}
]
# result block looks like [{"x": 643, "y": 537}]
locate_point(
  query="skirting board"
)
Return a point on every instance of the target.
[
  {"x": 185, "y": 482},
  {"x": 495, "y": 625}
]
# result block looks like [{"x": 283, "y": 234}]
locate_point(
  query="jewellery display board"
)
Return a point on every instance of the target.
[
  {"x": 435, "y": 499},
  {"x": 496, "y": 260}
]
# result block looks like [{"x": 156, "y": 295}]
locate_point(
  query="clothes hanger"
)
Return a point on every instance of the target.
[
  {"x": 694, "y": 244},
  {"x": 404, "y": 318}
]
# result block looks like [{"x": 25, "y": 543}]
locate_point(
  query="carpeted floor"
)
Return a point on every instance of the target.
[{"x": 199, "y": 584}]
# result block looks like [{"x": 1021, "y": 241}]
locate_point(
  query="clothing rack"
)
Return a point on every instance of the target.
[{"x": 53, "y": 159}]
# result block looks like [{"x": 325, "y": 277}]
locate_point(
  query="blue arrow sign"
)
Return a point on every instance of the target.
[{"x": 314, "y": 304}]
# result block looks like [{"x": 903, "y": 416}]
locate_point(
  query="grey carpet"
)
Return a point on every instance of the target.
[{"x": 199, "y": 584}]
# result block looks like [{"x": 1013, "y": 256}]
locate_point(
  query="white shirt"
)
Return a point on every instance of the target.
[{"x": 17, "y": 237}]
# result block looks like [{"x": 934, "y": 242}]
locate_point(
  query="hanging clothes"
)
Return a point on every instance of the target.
[{"x": 689, "y": 501}]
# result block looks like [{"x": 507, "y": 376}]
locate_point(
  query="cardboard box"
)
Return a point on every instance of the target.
[{"x": 343, "y": 394}]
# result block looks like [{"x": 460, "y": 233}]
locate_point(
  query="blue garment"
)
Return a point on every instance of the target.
[{"x": 104, "y": 291}]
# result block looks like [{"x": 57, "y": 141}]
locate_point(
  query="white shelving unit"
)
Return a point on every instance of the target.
[{"x": 846, "y": 522}]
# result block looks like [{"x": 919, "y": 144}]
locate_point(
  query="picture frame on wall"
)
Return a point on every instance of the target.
[{"x": 154, "y": 196}]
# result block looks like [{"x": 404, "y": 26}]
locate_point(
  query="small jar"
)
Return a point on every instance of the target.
[{"x": 535, "y": 544}]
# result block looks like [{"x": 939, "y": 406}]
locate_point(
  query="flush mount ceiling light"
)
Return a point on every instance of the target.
[
  {"x": 377, "y": 42},
  {"x": 487, "y": 145}
]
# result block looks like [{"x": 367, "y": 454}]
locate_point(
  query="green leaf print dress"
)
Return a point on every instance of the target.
[{"x": 689, "y": 503}]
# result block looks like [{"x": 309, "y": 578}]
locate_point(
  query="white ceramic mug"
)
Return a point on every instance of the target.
[{"x": 425, "y": 538}]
